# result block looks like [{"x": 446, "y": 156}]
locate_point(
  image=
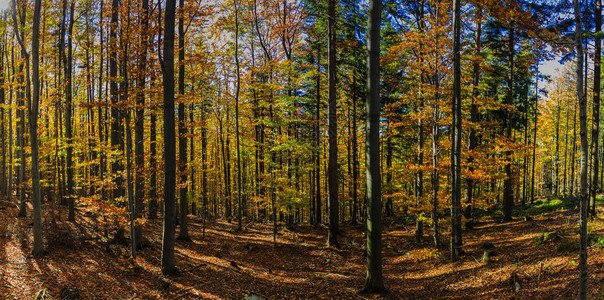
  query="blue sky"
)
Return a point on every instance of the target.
[{"x": 4, "y": 4}]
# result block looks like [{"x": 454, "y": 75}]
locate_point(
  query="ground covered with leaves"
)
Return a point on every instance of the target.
[{"x": 534, "y": 256}]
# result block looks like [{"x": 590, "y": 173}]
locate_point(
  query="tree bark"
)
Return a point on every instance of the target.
[
  {"x": 182, "y": 129},
  {"x": 584, "y": 153},
  {"x": 508, "y": 193},
  {"x": 332, "y": 133},
  {"x": 456, "y": 241},
  {"x": 374, "y": 282},
  {"x": 595, "y": 127},
  {"x": 38, "y": 245},
  {"x": 167, "y": 258}
]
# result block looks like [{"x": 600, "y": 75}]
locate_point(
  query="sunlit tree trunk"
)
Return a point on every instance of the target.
[{"x": 373, "y": 280}]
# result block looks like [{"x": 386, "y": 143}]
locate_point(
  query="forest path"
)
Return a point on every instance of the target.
[{"x": 20, "y": 274}]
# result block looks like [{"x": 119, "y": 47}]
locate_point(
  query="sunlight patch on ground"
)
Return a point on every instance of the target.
[{"x": 15, "y": 270}]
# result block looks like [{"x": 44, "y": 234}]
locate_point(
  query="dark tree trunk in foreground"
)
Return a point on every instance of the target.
[
  {"x": 38, "y": 246},
  {"x": 167, "y": 257},
  {"x": 456, "y": 136},
  {"x": 374, "y": 282},
  {"x": 584, "y": 152},
  {"x": 332, "y": 133}
]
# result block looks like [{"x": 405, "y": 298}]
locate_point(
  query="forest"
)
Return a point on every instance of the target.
[{"x": 295, "y": 149}]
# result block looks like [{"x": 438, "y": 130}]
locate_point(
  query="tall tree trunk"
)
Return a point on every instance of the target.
[
  {"x": 317, "y": 212},
  {"x": 355, "y": 159},
  {"x": 67, "y": 56},
  {"x": 21, "y": 95},
  {"x": 139, "y": 125},
  {"x": 508, "y": 193},
  {"x": 535, "y": 137},
  {"x": 3, "y": 181},
  {"x": 116, "y": 134},
  {"x": 100, "y": 118},
  {"x": 557, "y": 155},
  {"x": 595, "y": 127},
  {"x": 573, "y": 154},
  {"x": 167, "y": 258},
  {"x": 456, "y": 241},
  {"x": 584, "y": 152},
  {"x": 332, "y": 133},
  {"x": 237, "y": 89},
  {"x": 564, "y": 181},
  {"x": 473, "y": 139},
  {"x": 182, "y": 128},
  {"x": 38, "y": 245},
  {"x": 373, "y": 281}
]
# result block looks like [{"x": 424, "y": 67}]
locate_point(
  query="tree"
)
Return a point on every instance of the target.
[
  {"x": 167, "y": 257},
  {"x": 595, "y": 127},
  {"x": 456, "y": 241},
  {"x": 38, "y": 247},
  {"x": 374, "y": 282},
  {"x": 583, "y": 205},
  {"x": 139, "y": 130},
  {"x": 334, "y": 207},
  {"x": 182, "y": 128}
]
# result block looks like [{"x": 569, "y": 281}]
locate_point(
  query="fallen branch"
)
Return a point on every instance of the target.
[
  {"x": 196, "y": 267},
  {"x": 184, "y": 293},
  {"x": 334, "y": 274}
]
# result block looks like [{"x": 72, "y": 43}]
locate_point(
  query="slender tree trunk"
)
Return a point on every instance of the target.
[
  {"x": 21, "y": 95},
  {"x": 584, "y": 153},
  {"x": 182, "y": 129},
  {"x": 38, "y": 245},
  {"x": 473, "y": 139},
  {"x": 573, "y": 154},
  {"x": 508, "y": 193},
  {"x": 332, "y": 237},
  {"x": 595, "y": 127},
  {"x": 535, "y": 137},
  {"x": 67, "y": 65},
  {"x": 139, "y": 129},
  {"x": 167, "y": 258},
  {"x": 557, "y": 155},
  {"x": 456, "y": 240},
  {"x": 317, "y": 212},
  {"x": 116, "y": 136},
  {"x": 373, "y": 281},
  {"x": 564, "y": 181},
  {"x": 355, "y": 159},
  {"x": 130, "y": 189},
  {"x": 237, "y": 89}
]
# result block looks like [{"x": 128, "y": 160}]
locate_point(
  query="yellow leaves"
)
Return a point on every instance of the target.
[{"x": 425, "y": 254}]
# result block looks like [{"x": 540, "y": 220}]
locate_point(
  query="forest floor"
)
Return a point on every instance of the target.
[{"x": 226, "y": 264}]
